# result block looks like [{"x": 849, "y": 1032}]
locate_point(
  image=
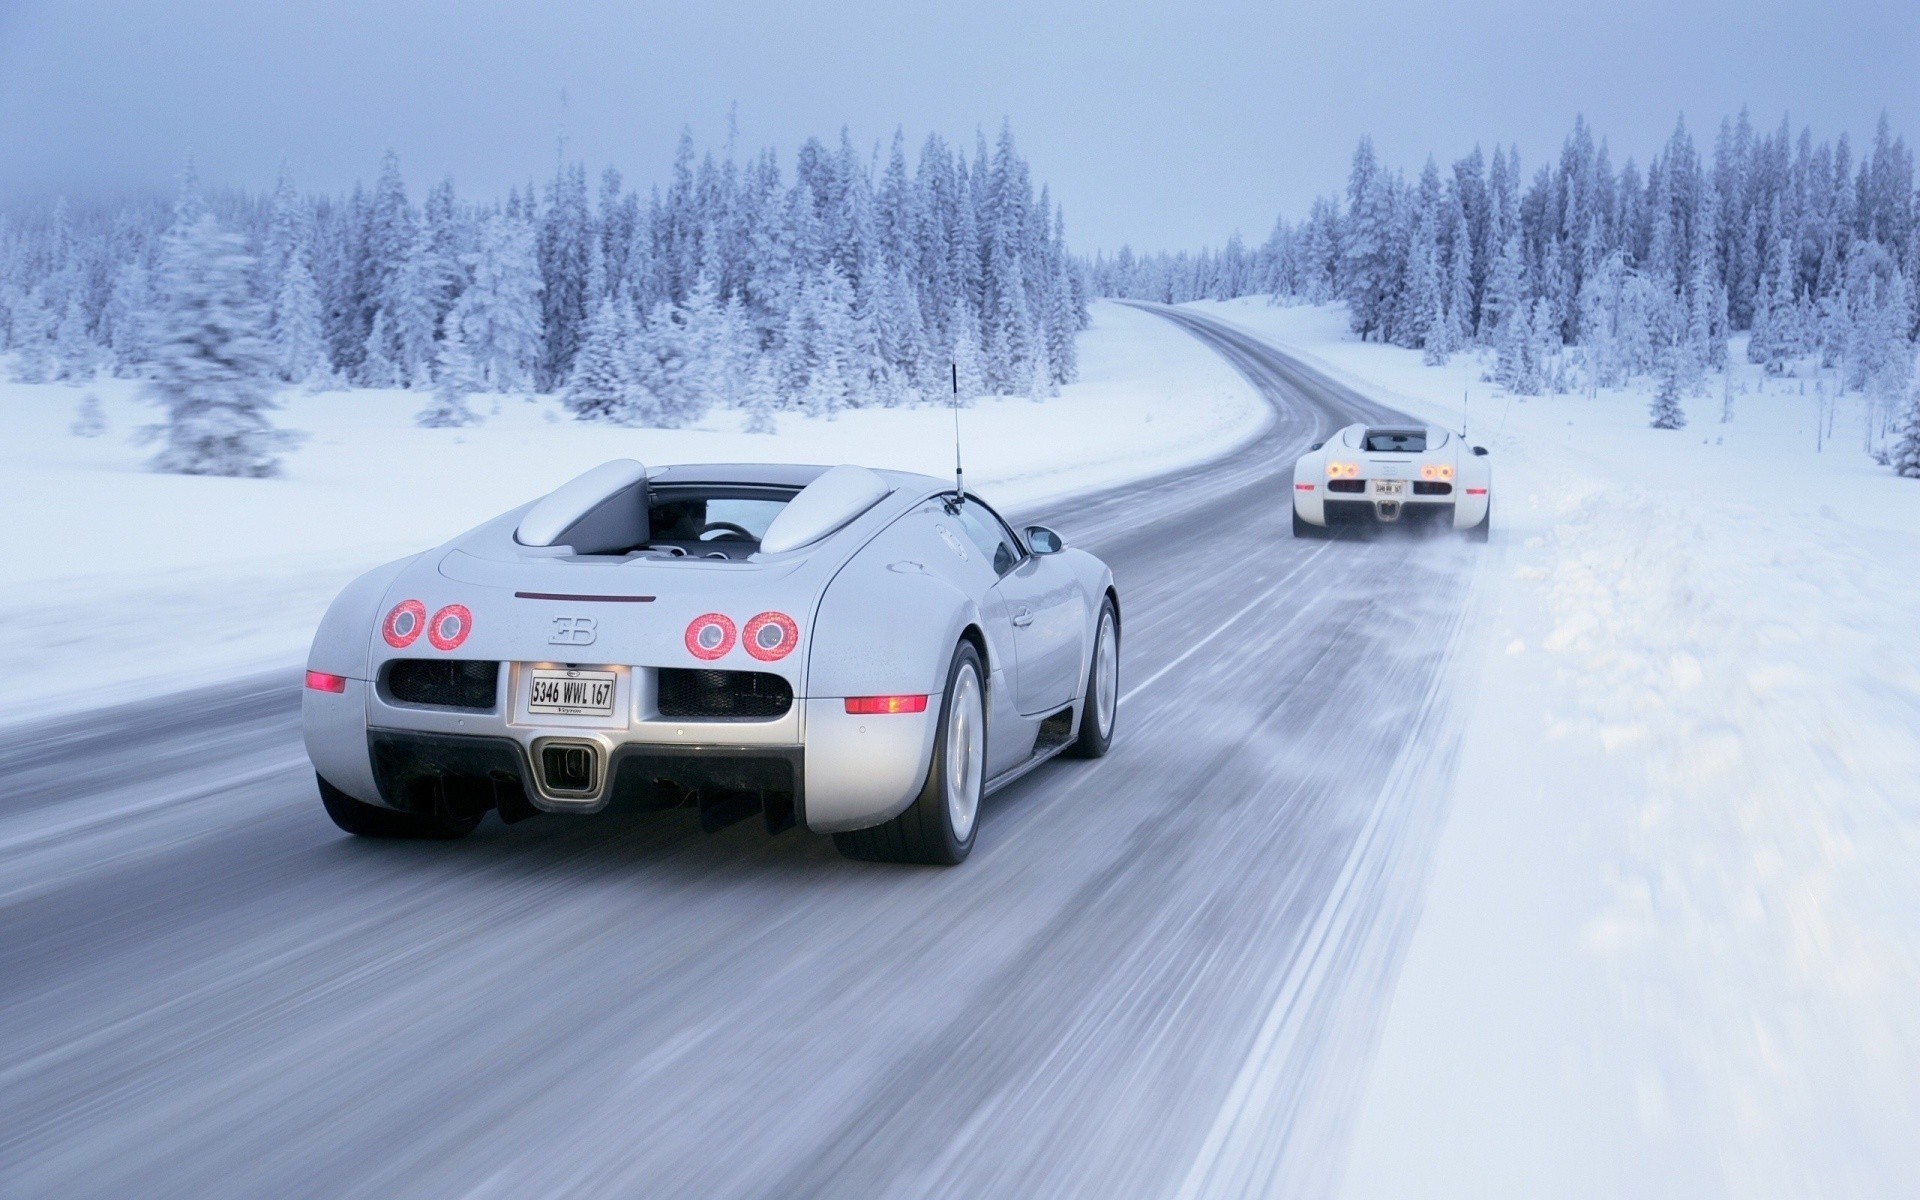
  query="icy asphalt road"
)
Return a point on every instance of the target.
[{"x": 1159, "y": 975}]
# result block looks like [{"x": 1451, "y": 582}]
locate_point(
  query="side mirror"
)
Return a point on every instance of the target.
[
  {"x": 1316, "y": 445},
  {"x": 1479, "y": 451},
  {"x": 1042, "y": 540}
]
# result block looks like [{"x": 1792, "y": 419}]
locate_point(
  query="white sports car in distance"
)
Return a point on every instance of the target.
[
  {"x": 861, "y": 653},
  {"x": 1393, "y": 475}
]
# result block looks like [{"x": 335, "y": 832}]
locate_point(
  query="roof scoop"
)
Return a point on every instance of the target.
[
  {"x": 823, "y": 506},
  {"x": 603, "y": 511}
]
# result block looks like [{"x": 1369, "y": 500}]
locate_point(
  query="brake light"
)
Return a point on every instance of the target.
[
  {"x": 1302, "y": 487},
  {"x": 1476, "y": 491},
  {"x": 1439, "y": 471},
  {"x": 869, "y": 706},
  {"x": 320, "y": 681},
  {"x": 770, "y": 636},
  {"x": 1340, "y": 470}
]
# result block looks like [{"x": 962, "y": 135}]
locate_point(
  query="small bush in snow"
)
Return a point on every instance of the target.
[{"x": 89, "y": 421}]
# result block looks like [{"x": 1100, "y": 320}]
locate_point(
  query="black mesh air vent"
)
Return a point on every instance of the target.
[
  {"x": 723, "y": 695},
  {"x": 448, "y": 682}
]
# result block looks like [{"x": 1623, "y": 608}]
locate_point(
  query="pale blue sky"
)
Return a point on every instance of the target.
[{"x": 1163, "y": 124}]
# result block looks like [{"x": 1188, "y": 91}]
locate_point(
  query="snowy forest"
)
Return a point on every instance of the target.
[
  {"x": 1588, "y": 276},
  {"x": 858, "y": 281}
]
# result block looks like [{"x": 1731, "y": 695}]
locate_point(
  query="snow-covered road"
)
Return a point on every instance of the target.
[{"x": 1160, "y": 974}]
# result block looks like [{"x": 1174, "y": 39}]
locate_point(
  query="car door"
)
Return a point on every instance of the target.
[{"x": 1044, "y": 603}]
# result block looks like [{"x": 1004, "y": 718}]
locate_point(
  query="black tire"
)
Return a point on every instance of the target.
[
  {"x": 1306, "y": 529},
  {"x": 370, "y": 820},
  {"x": 1480, "y": 532},
  {"x": 924, "y": 833},
  {"x": 1094, "y": 739}
]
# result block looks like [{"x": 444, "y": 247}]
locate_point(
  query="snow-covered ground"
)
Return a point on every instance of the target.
[
  {"x": 119, "y": 582},
  {"x": 1672, "y": 941}
]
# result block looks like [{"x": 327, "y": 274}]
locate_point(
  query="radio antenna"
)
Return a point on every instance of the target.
[{"x": 959, "y": 476}]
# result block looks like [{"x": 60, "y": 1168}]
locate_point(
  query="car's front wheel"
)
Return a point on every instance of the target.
[
  {"x": 370, "y": 820},
  {"x": 939, "y": 826}
]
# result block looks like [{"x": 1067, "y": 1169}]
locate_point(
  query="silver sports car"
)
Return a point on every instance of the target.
[{"x": 862, "y": 653}]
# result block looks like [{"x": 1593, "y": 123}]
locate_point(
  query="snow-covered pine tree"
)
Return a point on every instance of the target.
[
  {"x": 298, "y": 339},
  {"x": 75, "y": 355},
  {"x": 762, "y": 399},
  {"x": 1904, "y": 458},
  {"x": 1460, "y": 282},
  {"x": 1367, "y": 249},
  {"x": 601, "y": 386},
  {"x": 212, "y": 371},
  {"x": 499, "y": 313},
  {"x": 1665, "y": 411},
  {"x": 454, "y": 379},
  {"x": 33, "y": 360},
  {"x": 125, "y": 317},
  {"x": 376, "y": 369}
]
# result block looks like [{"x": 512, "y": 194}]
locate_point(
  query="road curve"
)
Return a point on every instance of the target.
[{"x": 1160, "y": 974}]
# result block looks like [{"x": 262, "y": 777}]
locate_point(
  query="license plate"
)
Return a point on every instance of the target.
[
  {"x": 1389, "y": 487},
  {"x": 571, "y": 693}
]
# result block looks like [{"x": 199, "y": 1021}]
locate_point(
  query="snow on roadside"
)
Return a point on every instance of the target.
[
  {"x": 119, "y": 582},
  {"x": 1672, "y": 942}
]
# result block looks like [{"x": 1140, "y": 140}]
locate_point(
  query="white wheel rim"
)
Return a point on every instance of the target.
[
  {"x": 966, "y": 753},
  {"x": 1106, "y": 676}
]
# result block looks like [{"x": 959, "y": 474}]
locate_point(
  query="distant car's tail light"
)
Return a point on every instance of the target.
[
  {"x": 320, "y": 681},
  {"x": 1340, "y": 470},
  {"x": 868, "y": 706},
  {"x": 710, "y": 636},
  {"x": 1476, "y": 491},
  {"x": 403, "y": 625},
  {"x": 771, "y": 636},
  {"x": 1436, "y": 471},
  {"x": 1445, "y": 473},
  {"x": 1302, "y": 487},
  {"x": 450, "y": 627}
]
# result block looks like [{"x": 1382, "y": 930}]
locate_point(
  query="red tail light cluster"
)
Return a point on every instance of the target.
[
  {"x": 769, "y": 636},
  {"x": 448, "y": 628},
  {"x": 320, "y": 681},
  {"x": 710, "y": 636}
]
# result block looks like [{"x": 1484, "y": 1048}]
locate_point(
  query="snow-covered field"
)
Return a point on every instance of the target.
[
  {"x": 120, "y": 582},
  {"x": 1672, "y": 943}
]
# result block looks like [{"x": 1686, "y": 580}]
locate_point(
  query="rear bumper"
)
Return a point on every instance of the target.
[
  {"x": 817, "y": 766},
  {"x": 1416, "y": 512}
]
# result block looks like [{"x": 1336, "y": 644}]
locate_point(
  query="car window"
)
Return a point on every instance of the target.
[
  {"x": 987, "y": 531},
  {"x": 1396, "y": 441}
]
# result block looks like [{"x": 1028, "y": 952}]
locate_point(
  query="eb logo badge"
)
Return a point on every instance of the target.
[{"x": 573, "y": 631}]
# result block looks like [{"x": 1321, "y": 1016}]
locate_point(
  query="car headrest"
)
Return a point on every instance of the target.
[
  {"x": 823, "y": 506},
  {"x": 602, "y": 511}
]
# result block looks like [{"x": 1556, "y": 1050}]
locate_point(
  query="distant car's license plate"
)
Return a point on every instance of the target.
[
  {"x": 1389, "y": 487},
  {"x": 571, "y": 693}
]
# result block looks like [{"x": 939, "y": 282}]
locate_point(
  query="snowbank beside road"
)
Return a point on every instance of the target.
[
  {"x": 1672, "y": 943},
  {"x": 119, "y": 581}
]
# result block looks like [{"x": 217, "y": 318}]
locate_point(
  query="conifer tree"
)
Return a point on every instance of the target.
[
  {"x": 75, "y": 356},
  {"x": 299, "y": 347},
  {"x": 33, "y": 360},
  {"x": 1904, "y": 458},
  {"x": 88, "y": 420},
  {"x": 1665, "y": 411},
  {"x": 762, "y": 398},
  {"x": 455, "y": 378},
  {"x": 601, "y": 386},
  {"x": 211, "y": 370},
  {"x": 499, "y": 313}
]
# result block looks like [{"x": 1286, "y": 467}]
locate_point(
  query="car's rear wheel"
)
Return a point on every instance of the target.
[
  {"x": 370, "y": 820},
  {"x": 1101, "y": 704},
  {"x": 939, "y": 826},
  {"x": 1306, "y": 529},
  {"x": 1480, "y": 532}
]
